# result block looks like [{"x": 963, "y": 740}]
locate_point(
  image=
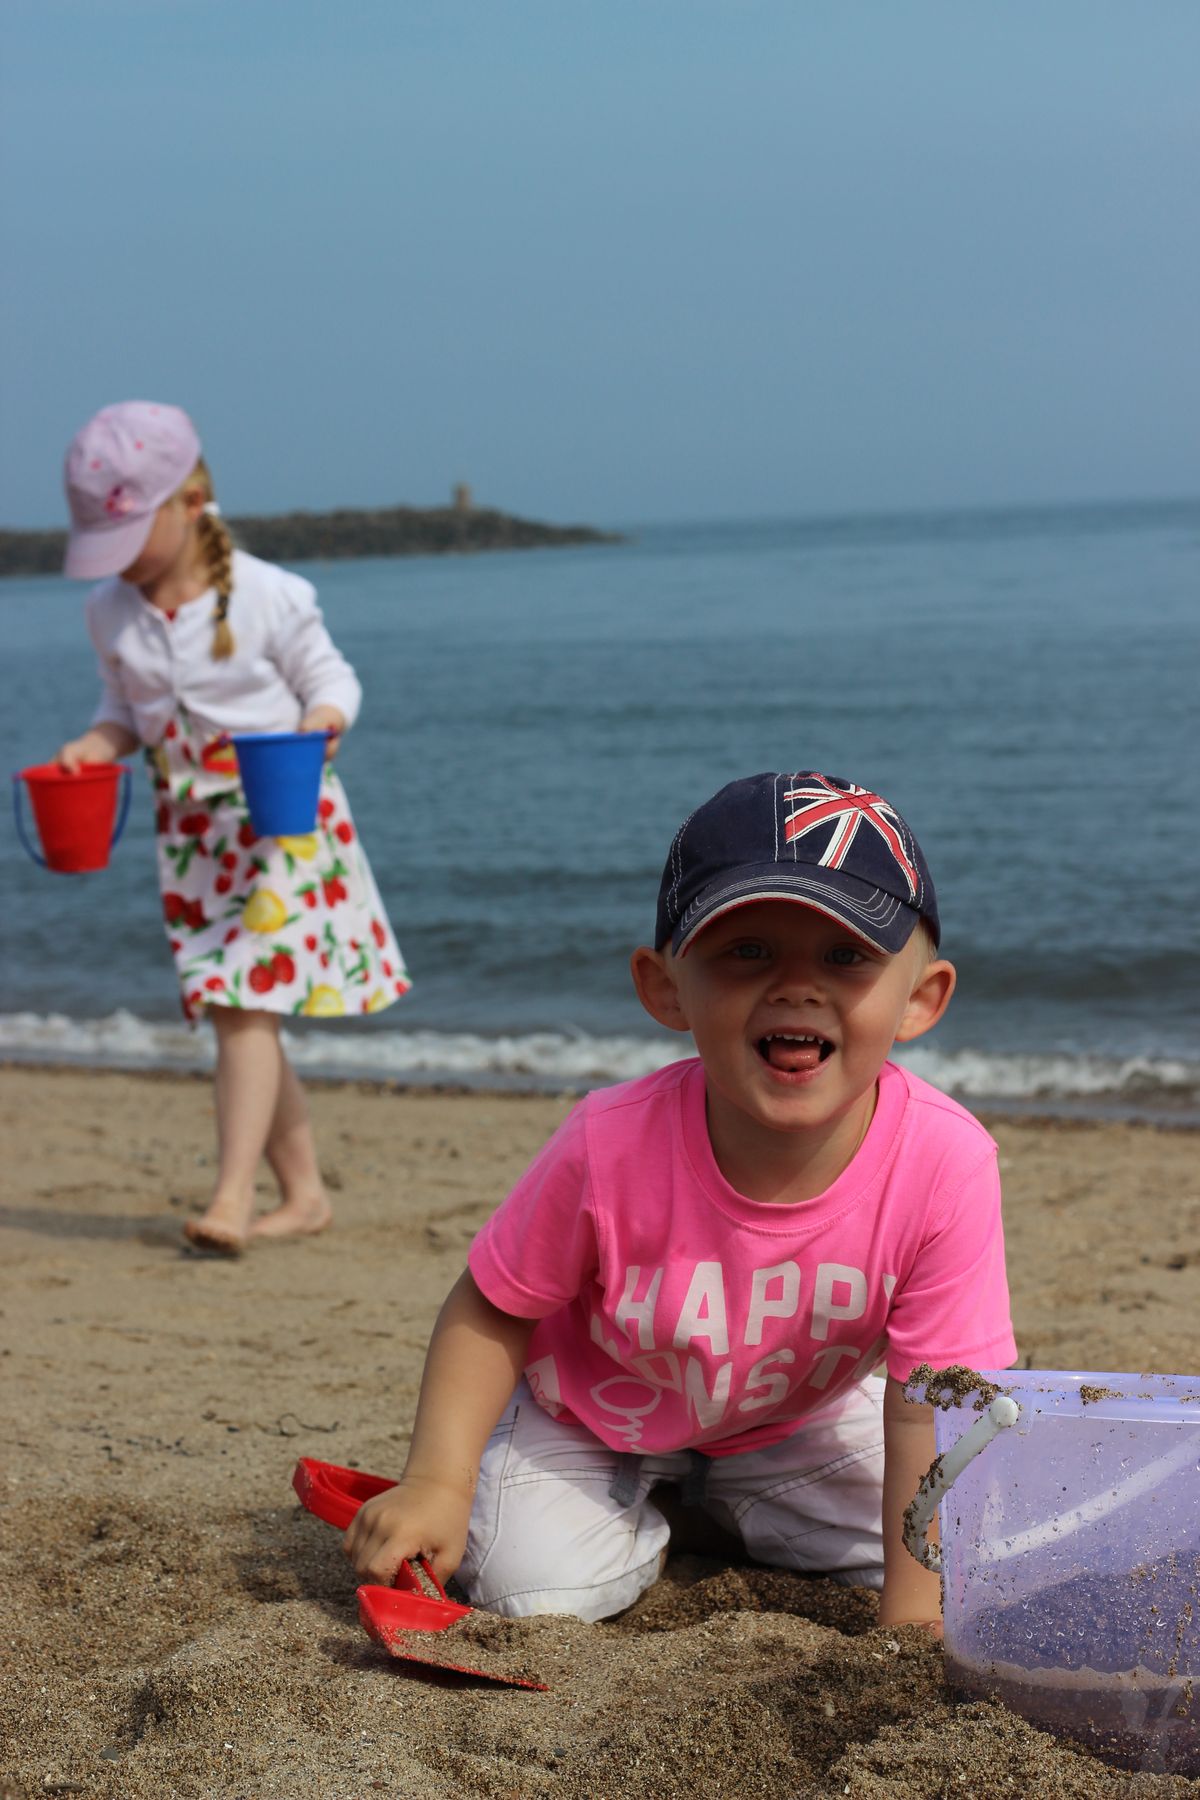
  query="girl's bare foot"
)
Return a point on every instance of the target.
[
  {"x": 222, "y": 1230},
  {"x": 294, "y": 1218},
  {"x": 217, "y": 1239}
]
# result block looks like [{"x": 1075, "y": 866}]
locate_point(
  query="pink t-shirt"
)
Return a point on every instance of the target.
[{"x": 673, "y": 1312}]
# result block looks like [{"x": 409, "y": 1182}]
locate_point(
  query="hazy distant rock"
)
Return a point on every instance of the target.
[{"x": 335, "y": 536}]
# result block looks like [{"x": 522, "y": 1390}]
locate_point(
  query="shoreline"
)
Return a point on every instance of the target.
[
  {"x": 177, "y": 1626},
  {"x": 989, "y": 1110}
]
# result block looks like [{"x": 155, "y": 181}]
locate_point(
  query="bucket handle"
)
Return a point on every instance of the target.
[
  {"x": 945, "y": 1470},
  {"x": 30, "y": 848},
  {"x": 122, "y": 805},
  {"x": 122, "y": 815}
]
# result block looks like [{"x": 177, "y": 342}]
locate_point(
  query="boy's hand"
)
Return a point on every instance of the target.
[
  {"x": 932, "y": 1626},
  {"x": 418, "y": 1517},
  {"x": 475, "y": 1359}
]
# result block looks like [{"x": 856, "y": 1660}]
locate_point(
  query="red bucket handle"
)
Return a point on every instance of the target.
[{"x": 118, "y": 828}]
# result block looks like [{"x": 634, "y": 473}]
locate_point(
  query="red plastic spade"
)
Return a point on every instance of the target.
[
  {"x": 334, "y": 1494},
  {"x": 391, "y": 1615}
]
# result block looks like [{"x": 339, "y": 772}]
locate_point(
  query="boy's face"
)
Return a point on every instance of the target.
[{"x": 793, "y": 1016}]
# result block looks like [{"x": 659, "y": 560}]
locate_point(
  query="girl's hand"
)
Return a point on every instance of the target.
[
  {"x": 102, "y": 744},
  {"x": 73, "y": 755},
  {"x": 326, "y": 718},
  {"x": 417, "y": 1517}
]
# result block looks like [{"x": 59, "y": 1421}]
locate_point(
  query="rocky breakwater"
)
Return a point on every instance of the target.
[{"x": 348, "y": 532}]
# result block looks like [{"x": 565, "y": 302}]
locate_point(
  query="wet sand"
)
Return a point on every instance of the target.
[{"x": 173, "y": 1624}]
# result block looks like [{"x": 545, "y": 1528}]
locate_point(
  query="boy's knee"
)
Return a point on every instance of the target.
[
  {"x": 519, "y": 1587},
  {"x": 588, "y": 1561}
]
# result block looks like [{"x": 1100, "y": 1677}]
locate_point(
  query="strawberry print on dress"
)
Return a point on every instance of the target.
[{"x": 288, "y": 925}]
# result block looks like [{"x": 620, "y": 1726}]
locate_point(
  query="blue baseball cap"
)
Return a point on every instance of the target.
[{"x": 815, "y": 839}]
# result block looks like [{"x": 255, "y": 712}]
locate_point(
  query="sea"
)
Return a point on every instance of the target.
[{"x": 1022, "y": 684}]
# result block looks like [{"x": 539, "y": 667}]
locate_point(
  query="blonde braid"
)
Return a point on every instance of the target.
[{"x": 217, "y": 547}]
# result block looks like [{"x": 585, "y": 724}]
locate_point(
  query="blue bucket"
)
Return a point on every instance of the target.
[{"x": 281, "y": 776}]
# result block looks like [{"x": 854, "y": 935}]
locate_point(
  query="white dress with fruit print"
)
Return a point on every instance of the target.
[{"x": 286, "y": 925}]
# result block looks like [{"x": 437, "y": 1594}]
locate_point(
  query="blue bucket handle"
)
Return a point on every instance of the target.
[
  {"x": 30, "y": 847},
  {"x": 126, "y": 782},
  {"x": 122, "y": 814}
]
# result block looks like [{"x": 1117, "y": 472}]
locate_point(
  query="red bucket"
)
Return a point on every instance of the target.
[{"x": 75, "y": 813}]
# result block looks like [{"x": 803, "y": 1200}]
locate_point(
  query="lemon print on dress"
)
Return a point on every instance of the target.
[
  {"x": 302, "y": 848},
  {"x": 378, "y": 1001},
  {"x": 263, "y": 911},
  {"x": 324, "y": 1003}
]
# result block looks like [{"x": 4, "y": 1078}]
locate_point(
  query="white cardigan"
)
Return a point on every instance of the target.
[{"x": 284, "y": 663}]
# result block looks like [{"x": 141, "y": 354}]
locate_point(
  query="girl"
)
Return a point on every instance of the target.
[{"x": 196, "y": 640}]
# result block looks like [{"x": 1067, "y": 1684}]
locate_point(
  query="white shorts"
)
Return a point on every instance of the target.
[{"x": 547, "y": 1534}]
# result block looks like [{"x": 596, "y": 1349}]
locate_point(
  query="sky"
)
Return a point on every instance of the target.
[{"x": 614, "y": 261}]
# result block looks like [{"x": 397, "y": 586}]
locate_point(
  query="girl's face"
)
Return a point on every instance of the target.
[{"x": 171, "y": 547}]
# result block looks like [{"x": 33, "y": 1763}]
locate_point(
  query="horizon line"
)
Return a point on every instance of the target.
[{"x": 826, "y": 516}]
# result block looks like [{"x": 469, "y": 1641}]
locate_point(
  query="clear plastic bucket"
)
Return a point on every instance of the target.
[{"x": 1071, "y": 1560}]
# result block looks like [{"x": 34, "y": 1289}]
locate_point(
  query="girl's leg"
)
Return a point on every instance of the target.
[
  {"x": 247, "y": 1082},
  {"x": 304, "y": 1205}
]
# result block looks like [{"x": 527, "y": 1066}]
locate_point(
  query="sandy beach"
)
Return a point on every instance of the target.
[{"x": 175, "y": 1625}]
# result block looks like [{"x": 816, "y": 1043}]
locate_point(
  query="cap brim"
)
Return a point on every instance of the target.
[
  {"x": 106, "y": 550},
  {"x": 867, "y": 911}
]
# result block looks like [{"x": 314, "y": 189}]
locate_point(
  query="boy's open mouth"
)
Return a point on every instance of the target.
[{"x": 793, "y": 1052}]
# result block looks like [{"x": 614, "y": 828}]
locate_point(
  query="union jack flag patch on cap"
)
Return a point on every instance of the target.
[{"x": 811, "y": 838}]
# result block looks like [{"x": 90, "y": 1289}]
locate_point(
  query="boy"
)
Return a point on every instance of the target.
[{"x": 695, "y": 1279}]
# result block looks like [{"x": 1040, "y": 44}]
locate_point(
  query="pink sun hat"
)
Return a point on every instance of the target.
[{"x": 118, "y": 471}]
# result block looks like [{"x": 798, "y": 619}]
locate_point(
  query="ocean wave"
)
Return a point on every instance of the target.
[
  {"x": 1027, "y": 1077},
  {"x": 1138, "y": 1086},
  {"x": 535, "y": 1059}
]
